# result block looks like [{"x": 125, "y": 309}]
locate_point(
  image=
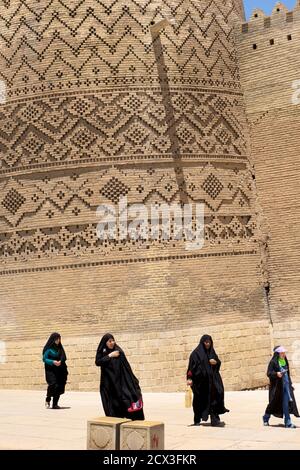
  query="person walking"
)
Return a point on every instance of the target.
[
  {"x": 203, "y": 375},
  {"x": 56, "y": 372},
  {"x": 120, "y": 391},
  {"x": 282, "y": 401}
]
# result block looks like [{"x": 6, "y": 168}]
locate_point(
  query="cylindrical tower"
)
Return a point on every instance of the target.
[
  {"x": 239, "y": 5},
  {"x": 136, "y": 99}
]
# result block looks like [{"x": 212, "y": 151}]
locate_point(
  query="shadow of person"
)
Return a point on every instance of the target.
[{"x": 61, "y": 408}]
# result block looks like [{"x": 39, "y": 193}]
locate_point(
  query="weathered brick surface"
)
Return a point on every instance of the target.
[
  {"x": 157, "y": 297},
  {"x": 267, "y": 74},
  {"x": 158, "y": 119},
  {"x": 158, "y": 359}
]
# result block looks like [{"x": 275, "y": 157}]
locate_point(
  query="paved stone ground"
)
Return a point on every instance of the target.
[{"x": 26, "y": 424}]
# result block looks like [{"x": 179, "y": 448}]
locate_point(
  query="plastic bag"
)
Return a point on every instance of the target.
[{"x": 188, "y": 397}]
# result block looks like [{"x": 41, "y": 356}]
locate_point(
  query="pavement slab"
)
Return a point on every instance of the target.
[{"x": 25, "y": 423}]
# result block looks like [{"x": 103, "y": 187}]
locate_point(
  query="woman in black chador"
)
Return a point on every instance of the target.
[
  {"x": 56, "y": 371},
  {"x": 204, "y": 377},
  {"x": 119, "y": 388}
]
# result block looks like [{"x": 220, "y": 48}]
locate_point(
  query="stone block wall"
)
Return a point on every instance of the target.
[
  {"x": 159, "y": 359},
  {"x": 269, "y": 57},
  {"x": 164, "y": 121}
]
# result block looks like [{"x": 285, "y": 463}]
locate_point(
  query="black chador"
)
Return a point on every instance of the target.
[
  {"x": 119, "y": 388},
  {"x": 56, "y": 375},
  {"x": 207, "y": 385},
  {"x": 276, "y": 390}
]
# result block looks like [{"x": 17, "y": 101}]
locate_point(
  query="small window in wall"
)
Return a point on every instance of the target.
[
  {"x": 254, "y": 46},
  {"x": 277, "y": 9},
  {"x": 289, "y": 37},
  {"x": 272, "y": 42},
  {"x": 256, "y": 15}
]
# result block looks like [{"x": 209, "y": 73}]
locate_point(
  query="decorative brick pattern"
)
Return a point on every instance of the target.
[
  {"x": 115, "y": 126},
  {"x": 99, "y": 106}
]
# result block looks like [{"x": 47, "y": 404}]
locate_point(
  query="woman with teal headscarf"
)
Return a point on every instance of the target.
[{"x": 56, "y": 372}]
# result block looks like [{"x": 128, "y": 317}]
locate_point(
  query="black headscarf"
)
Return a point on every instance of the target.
[
  {"x": 51, "y": 344},
  {"x": 203, "y": 355},
  {"x": 103, "y": 350}
]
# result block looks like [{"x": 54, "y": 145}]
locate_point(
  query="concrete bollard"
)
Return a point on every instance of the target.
[
  {"x": 142, "y": 435},
  {"x": 104, "y": 433}
]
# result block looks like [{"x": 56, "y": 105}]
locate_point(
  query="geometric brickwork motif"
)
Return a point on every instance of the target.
[
  {"x": 60, "y": 45},
  {"x": 98, "y": 107},
  {"x": 93, "y": 128},
  {"x": 47, "y": 205},
  {"x": 224, "y": 191}
]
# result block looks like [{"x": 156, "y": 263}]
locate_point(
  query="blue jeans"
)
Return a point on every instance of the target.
[{"x": 285, "y": 406}]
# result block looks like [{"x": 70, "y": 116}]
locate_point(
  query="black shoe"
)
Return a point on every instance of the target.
[
  {"x": 195, "y": 424},
  {"x": 218, "y": 424},
  {"x": 56, "y": 407}
]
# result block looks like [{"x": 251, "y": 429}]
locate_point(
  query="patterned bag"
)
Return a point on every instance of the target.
[{"x": 136, "y": 406}]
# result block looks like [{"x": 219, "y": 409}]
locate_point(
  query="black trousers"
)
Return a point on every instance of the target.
[
  {"x": 197, "y": 406},
  {"x": 50, "y": 394}
]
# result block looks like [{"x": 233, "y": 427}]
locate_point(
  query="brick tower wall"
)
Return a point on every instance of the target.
[
  {"x": 99, "y": 105},
  {"x": 269, "y": 55}
]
